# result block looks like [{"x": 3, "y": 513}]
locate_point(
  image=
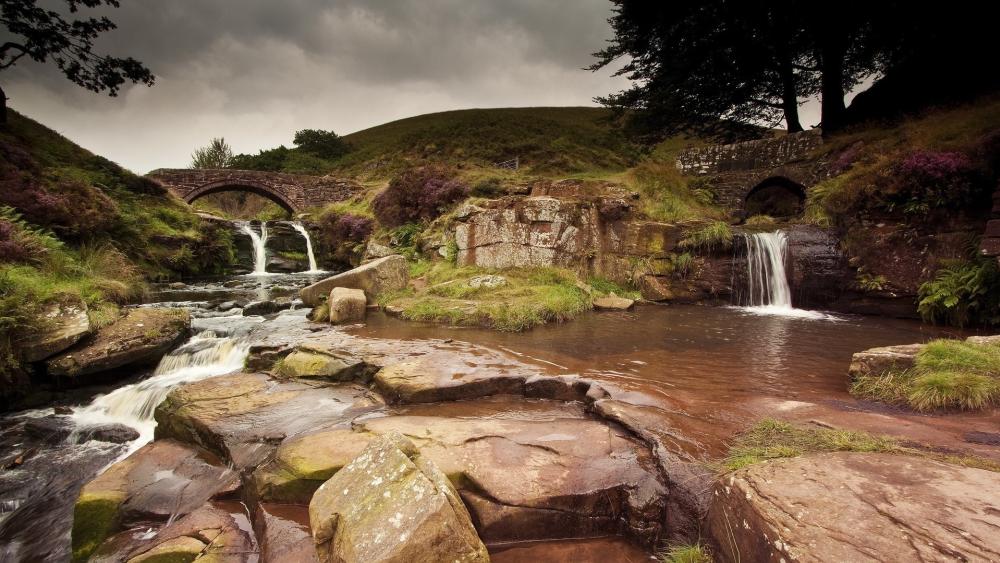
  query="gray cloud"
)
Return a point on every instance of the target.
[{"x": 255, "y": 71}]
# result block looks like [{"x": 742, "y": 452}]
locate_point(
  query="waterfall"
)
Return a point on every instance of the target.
[
  {"x": 207, "y": 354},
  {"x": 309, "y": 247},
  {"x": 259, "y": 246},
  {"x": 767, "y": 282},
  {"x": 766, "y": 290}
]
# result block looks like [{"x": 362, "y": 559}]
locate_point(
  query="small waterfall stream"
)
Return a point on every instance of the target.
[
  {"x": 313, "y": 268},
  {"x": 259, "y": 246},
  {"x": 767, "y": 290}
]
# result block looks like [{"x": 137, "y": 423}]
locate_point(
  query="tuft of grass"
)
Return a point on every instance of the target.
[
  {"x": 686, "y": 553},
  {"x": 760, "y": 222},
  {"x": 605, "y": 286},
  {"x": 947, "y": 374},
  {"x": 774, "y": 439},
  {"x": 716, "y": 235}
]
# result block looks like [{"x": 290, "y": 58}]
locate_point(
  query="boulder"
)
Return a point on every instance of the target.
[
  {"x": 160, "y": 480},
  {"x": 65, "y": 324},
  {"x": 374, "y": 278},
  {"x": 215, "y": 532},
  {"x": 613, "y": 303},
  {"x": 226, "y": 306},
  {"x": 856, "y": 507},
  {"x": 656, "y": 288},
  {"x": 346, "y": 305},
  {"x": 310, "y": 362},
  {"x": 877, "y": 361},
  {"x": 265, "y": 307},
  {"x": 140, "y": 337},
  {"x": 283, "y": 534},
  {"x": 392, "y": 504}
]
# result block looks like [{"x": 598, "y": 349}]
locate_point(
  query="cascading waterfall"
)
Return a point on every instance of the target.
[
  {"x": 207, "y": 354},
  {"x": 767, "y": 289},
  {"x": 259, "y": 246},
  {"x": 767, "y": 282},
  {"x": 309, "y": 247}
]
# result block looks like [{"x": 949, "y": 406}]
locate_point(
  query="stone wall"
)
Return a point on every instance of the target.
[
  {"x": 292, "y": 191},
  {"x": 732, "y": 171}
]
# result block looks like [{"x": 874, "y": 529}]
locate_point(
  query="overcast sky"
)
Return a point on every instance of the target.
[{"x": 255, "y": 71}]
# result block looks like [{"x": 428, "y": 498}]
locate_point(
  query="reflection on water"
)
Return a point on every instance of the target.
[{"x": 709, "y": 353}]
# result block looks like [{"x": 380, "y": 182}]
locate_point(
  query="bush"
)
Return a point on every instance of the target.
[
  {"x": 341, "y": 233},
  {"x": 926, "y": 180},
  {"x": 416, "y": 195},
  {"x": 963, "y": 292},
  {"x": 323, "y": 144}
]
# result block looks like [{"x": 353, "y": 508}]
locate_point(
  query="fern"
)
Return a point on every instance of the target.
[{"x": 962, "y": 293}]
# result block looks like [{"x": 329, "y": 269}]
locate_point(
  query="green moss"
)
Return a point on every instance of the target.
[
  {"x": 716, "y": 235},
  {"x": 95, "y": 517}
]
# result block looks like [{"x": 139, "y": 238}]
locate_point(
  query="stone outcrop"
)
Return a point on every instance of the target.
[
  {"x": 374, "y": 278},
  {"x": 163, "y": 478},
  {"x": 65, "y": 323},
  {"x": 392, "y": 503},
  {"x": 856, "y": 507},
  {"x": 142, "y": 336},
  {"x": 346, "y": 305},
  {"x": 877, "y": 361}
]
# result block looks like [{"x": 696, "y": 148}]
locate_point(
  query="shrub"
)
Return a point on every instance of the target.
[
  {"x": 69, "y": 207},
  {"x": 324, "y": 144},
  {"x": 962, "y": 292},
  {"x": 488, "y": 188},
  {"x": 686, "y": 553},
  {"x": 714, "y": 235},
  {"x": 419, "y": 194},
  {"x": 926, "y": 180}
]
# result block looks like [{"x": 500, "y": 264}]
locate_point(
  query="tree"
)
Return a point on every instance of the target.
[
  {"x": 750, "y": 62},
  {"x": 43, "y": 35},
  {"x": 324, "y": 144},
  {"x": 216, "y": 155}
]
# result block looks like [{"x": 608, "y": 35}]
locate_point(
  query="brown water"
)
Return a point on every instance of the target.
[{"x": 709, "y": 371}]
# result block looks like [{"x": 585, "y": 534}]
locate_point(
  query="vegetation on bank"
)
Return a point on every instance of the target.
[
  {"x": 774, "y": 439},
  {"x": 75, "y": 226},
  {"x": 947, "y": 374},
  {"x": 513, "y": 300},
  {"x": 686, "y": 553}
]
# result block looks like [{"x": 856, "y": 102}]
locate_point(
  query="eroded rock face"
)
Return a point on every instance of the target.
[
  {"x": 66, "y": 323},
  {"x": 857, "y": 507},
  {"x": 346, "y": 305},
  {"x": 163, "y": 478},
  {"x": 141, "y": 336},
  {"x": 374, "y": 278},
  {"x": 391, "y": 503}
]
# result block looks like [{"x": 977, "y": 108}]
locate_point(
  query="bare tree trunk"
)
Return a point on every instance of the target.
[
  {"x": 3, "y": 107},
  {"x": 831, "y": 55},
  {"x": 789, "y": 97}
]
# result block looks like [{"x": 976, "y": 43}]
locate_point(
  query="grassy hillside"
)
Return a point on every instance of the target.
[{"x": 76, "y": 226}]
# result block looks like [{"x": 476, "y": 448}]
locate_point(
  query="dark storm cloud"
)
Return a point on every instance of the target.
[{"x": 257, "y": 70}]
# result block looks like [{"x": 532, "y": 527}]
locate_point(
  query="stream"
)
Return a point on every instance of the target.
[{"x": 713, "y": 369}]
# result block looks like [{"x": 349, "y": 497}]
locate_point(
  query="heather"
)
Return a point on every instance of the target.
[{"x": 416, "y": 195}]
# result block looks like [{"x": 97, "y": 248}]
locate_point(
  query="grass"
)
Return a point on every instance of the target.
[
  {"x": 774, "y": 439},
  {"x": 605, "y": 286},
  {"x": 529, "y": 298},
  {"x": 947, "y": 375},
  {"x": 760, "y": 223},
  {"x": 717, "y": 235},
  {"x": 686, "y": 553}
]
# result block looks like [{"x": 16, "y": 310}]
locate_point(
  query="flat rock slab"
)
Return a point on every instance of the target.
[
  {"x": 391, "y": 503},
  {"x": 857, "y": 507},
  {"x": 65, "y": 324},
  {"x": 141, "y": 336},
  {"x": 613, "y": 303},
  {"x": 160, "y": 480},
  {"x": 425, "y": 381},
  {"x": 243, "y": 417},
  {"x": 283, "y": 533}
]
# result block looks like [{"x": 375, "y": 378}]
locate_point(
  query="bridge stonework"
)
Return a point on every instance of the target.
[
  {"x": 732, "y": 171},
  {"x": 292, "y": 191}
]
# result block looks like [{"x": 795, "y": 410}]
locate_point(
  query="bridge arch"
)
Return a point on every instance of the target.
[
  {"x": 245, "y": 186},
  {"x": 777, "y": 196}
]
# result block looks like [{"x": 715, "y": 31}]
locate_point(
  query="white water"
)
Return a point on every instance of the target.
[
  {"x": 309, "y": 248},
  {"x": 768, "y": 292},
  {"x": 208, "y": 353},
  {"x": 259, "y": 246}
]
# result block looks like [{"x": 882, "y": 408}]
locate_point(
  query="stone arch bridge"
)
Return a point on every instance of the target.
[
  {"x": 293, "y": 192},
  {"x": 737, "y": 171}
]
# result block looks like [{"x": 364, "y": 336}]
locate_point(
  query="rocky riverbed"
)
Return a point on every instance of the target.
[{"x": 574, "y": 442}]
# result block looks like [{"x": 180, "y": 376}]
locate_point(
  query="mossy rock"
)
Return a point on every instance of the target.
[
  {"x": 184, "y": 549},
  {"x": 95, "y": 517}
]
